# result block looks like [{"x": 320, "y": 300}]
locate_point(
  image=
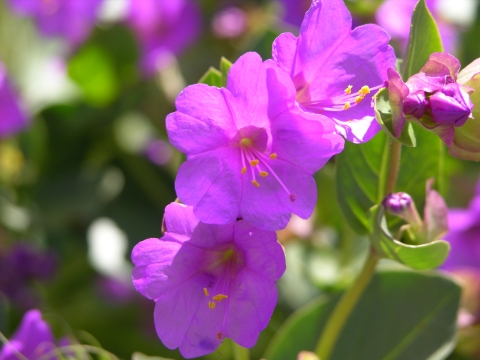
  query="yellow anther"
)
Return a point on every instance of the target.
[
  {"x": 364, "y": 90},
  {"x": 255, "y": 183},
  {"x": 205, "y": 291},
  {"x": 244, "y": 170},
  {"x": 346, "y": 106},
  {"x": 254, "y": 162},
  {"x": 348, "y": 90},
  {"x": 273, "y": 156},
  {"x": 220, "y": 297},
  {"x": 212, "y": 304},
  {"x": 358, "y": 99},
  {"x": 263, "y": 174},
  {"x": 245, "y": 142},
  {"x": 349, "y": 121}
]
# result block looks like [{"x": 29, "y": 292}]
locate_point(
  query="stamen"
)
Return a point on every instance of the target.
[
  {"x": 364, "y": 90},
  {"x": 205, "y": 291},
  {"x": 219, "y": 336},
  {"x": 212, "y": 304},
  {"x": 346, "y": 106},
  {"x": 263, "y": 174},
  {"x": 254, "y": 182},
  {"x": 358, "y": 99},
  {"x": 273, "y": 156},
  {"x": 293, "y": 197},
  {"x": 254, "y": 162},
  {"x": 244, "y": 170},
  {"x": 348, "y": 90},
  {"x": 220, "y": 297}
]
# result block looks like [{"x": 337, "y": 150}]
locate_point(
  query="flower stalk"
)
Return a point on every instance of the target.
[{"x": 240, "y": 353}]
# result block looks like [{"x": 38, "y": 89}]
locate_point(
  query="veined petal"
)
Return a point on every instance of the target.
[
  {"x": 358, "y": 130},
  {"x": 192, "y": 129},
  {"x": 211, "y": 182},
  {"x": 180, "y": 219},
  {"x": 284, "y": 49}
]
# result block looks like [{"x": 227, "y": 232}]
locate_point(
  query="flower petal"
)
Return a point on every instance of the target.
[
  {"x": 191, "y": 129},
  {"x": 283, "y": 52},
  {"x": 211, "y": 182},
  {"x": 180, "y": 219}
]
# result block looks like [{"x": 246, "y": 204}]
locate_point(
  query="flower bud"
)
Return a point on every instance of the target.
[
  {"x": 450, "y": 105},
  {"x": 415, "y": 104},
  {"x": 402, "y": 205}
]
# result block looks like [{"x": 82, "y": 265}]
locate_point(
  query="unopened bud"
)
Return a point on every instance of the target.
[
  {"x": 450, "y": 105},
  {"x": 415, "y": 104},
  {"x": 402, "y": 205}
]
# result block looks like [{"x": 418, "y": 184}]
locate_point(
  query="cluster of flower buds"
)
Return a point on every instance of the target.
[{"x": 434, "y": 97}]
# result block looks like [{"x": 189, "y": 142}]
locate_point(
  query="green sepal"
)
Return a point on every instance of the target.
[
  {"x": 225, "y": 66},
  {"x": 212, "y": 77},
  {"x": 424, "y": 39},
  {"x": 418, "y": 257},
  {"x": 383, "y": 114}
]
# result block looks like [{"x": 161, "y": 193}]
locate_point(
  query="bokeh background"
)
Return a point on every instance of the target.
[{"x": 88, "y": 171}]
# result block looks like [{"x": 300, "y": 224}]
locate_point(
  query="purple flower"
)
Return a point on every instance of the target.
[
  {"x": 12, "y": 117},
  {"x": 294, "y": 11},
  {"x": 395, "y": 17},
  {"x": 464, "y": 236},
  {"x": 335, "y": 69},
  {"x": 32, "y": 339},
  {"x": 433, "y": 97},
  {"x": 229, "y": 23},
  {"x": 402, "y": 205},
  {"x": 209, "y": 282},
  {"x": 71, "y": 19},
  {"x": 163, "y": 27},
  {"x": 250, "y": 152}
]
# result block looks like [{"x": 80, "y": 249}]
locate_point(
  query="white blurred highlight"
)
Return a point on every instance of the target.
[
  {"x": 460, "y": 12},
  {"x": 107, "y": 248}
]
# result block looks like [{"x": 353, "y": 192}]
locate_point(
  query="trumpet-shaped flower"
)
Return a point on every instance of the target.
[
  {"x": 32, "y": 339},
  {"x": 12, "y": 117},
  {"x": 250, "y": 152},
  {"x": 209, "y": 282},
  {"x": 162, "y": 28},
  {"x": 336, "y": 69},
  {"x": 71, "y": 19}
]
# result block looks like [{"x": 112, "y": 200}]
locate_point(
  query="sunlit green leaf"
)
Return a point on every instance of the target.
[
  {"x": 212, "y": 77},
  {"x": 402, "y": 315},
  {"x": 225, "y": 66}
]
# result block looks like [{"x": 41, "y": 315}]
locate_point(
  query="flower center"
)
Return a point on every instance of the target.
[
  {"x": 342, "y": 102},
  {"x": 259, "y": 165}
]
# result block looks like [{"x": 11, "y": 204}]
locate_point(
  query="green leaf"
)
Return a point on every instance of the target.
[
  {"x": 361, "y": 173},
  {"x": 402, "y": 315},
  {"x": 466, "y": 142},
  {"x": 359, "y": 169},
  {"x": 212, "y": 77},
  {"x": 225, "y": 66},
  {"x": 383, "y": 113},
  {"x": 140, "y": 356},
  {"x": 92, "y": 69},
  {"x": 418, "y": 257},
  {"x": 424, "y": 39}
]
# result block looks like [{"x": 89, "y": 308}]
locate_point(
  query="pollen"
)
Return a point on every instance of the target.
[
  {"x": 364, "y": 91},
  {"x": 358, "y": 99},
  {"x": 212, "y": 304},
  {"x": 244, "y": 170},
  {"x": 219, "y": 336},
  {"x": 263, "y": 173},
  {"x": 220, "y": 297},
  {"x": 245, "y": 142},
  {"x": 254, "y": 162},
  {"x": 346, "y": 106},
  {"x": 205, "y": 291},
  {"x": 293, "y": 197},
  {"x": 273, "y": 156},
  {"x": 348, "y": 90},
  {"x": 254, "y": 182}
]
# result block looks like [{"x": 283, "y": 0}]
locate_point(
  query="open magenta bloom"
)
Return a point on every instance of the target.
[
  {"x": 32, "y": 339},
  {"x": 209, "y": 282},
  {"x": 163, "y": 28},
  {"x": 250, "y": 152},
  {"x": 70, "y": 19},
  {"x": 336, "y": 69},
  {"x": 12, "y": 117}
]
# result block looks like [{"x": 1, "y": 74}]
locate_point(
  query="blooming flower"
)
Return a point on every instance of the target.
[
  {"x": 335, "y": 69},
  {"x": 208, "y": 281},
  {"x": 32, "y": 339},
  {"x": 12, "y": 117},
  {"x": 162, "y": 27},
  {"x": 395, "y": 17},
  {"x": 71, "y": 19},
  {"x": 250, "y": 152},
  {"x": 433, "y": 96}
]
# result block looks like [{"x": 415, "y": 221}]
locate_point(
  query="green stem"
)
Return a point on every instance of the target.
[
  {"x": 393, "y": 166},
  {"x": 344, "y": 307},
  {"x": 240, "y": 353}
]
